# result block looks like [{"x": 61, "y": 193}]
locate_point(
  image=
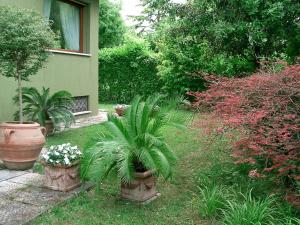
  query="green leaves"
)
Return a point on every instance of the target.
[
  {"x": 42, "y": 106},
  {"x": 132, "y": 141},
  {"x": 25, "y": 36},
  {"x": 111, "y": 25},
  {"x": 126, "y": 71}
]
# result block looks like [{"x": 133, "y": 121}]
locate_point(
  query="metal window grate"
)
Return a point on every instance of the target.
[{"x": 81, "y": 104}]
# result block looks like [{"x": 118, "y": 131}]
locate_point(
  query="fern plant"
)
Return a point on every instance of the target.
[
  {"x": 132, "y": 144},
  {"x": 41, "y": 107}
]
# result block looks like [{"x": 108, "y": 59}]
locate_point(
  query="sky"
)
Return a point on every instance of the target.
[{"x": 133, "y": 8}]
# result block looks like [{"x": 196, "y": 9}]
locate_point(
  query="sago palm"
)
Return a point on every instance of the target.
[
  {"x": 41, "y": 107},
  {"x": 132, "y": 144}
]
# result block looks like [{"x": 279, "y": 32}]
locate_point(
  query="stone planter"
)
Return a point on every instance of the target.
[
  {"x": 141, "y": 189},
  {"x": 61, "y": 177},
  {"x": 20, "y": 144}
]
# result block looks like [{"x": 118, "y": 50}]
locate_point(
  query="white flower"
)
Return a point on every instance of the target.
[
  {"x": 67, "y": 161},
  {"x": 46, "y": 157},
  {"x": 56, "y": 153}
]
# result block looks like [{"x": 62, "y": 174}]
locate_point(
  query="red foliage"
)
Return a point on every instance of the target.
[{"x": 268, "y": 106}]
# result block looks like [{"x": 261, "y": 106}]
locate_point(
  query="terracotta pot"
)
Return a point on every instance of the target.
[
  {"x": 141, "y": 189},
  {"x": 21, "y": 144},
  {"x": 61, "y": 177},
  {"x": 120, "y": 111},
  {"x": 49, "y": 127}
]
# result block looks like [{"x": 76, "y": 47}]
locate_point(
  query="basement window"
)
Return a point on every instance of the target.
[{"x": 81, "y": 104}]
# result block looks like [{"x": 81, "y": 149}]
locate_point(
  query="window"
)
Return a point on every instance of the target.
[
  {"x": 81, "y": 104},
  {"x": 66, "y": 21}
]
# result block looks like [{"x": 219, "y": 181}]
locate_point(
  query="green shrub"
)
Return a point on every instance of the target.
[
  {"x": 212, "y": 200},
  {"x": 126, "y": 71},
  {"x": 250, "y": 211}
]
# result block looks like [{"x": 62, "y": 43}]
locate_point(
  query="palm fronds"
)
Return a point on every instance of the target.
[
  {"x": 132, "y": 144},
  {"x": 42, "y": 106}
]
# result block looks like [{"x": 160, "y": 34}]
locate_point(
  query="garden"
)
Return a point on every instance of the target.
[{"x": 202, "y": 105}]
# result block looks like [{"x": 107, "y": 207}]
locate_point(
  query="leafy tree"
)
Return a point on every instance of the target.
[
  {"x": 111, "y": 25},
  {"x": 154, "y": 11},
  {"x": 24, "y": 37},
  {"x": 225, "y": 37}
]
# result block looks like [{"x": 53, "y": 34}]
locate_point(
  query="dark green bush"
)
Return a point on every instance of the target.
[{"x": 126, "y": 71}]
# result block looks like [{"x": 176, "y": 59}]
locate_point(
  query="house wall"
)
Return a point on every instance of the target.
[{"x": 77, "y": 74}]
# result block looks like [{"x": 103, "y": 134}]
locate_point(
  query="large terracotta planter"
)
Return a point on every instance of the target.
[
  {"x": 61, "y": 177},
  {"x": 21, "y": 144},
  {"x": 141, "y": 189}
]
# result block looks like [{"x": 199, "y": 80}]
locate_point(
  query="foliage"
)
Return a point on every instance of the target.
[
  {"x": 134, "y": 144},
  {"x": 212, "y": 200},
  {"x": 126, "y": 71},
  {"x": 25, "y": 36},
  {"x": 154, "y": 11},
  {"x": 111, "y": 25},
  {"x": 64, "y": 154},
  {"x": 41, "y": 107},
  {"x": 267, "y": 107},
  {"x": 227, "y": 38},
  {"x": 250, "y": 211}
]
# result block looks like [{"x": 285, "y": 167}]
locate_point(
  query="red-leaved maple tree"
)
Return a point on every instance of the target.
[{"x": 267, "y": 106}]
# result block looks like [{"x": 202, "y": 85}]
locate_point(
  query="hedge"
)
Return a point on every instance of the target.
[{"x": 126, "y": 71}]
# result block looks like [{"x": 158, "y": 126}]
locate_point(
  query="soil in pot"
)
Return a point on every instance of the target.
[{"x": 21, "y": 144}]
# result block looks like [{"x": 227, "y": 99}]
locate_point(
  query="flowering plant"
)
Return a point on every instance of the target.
[{"x": 64, "y": 154}]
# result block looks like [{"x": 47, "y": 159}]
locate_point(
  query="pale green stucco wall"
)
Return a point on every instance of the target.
[{"x": 74, "y": 73}]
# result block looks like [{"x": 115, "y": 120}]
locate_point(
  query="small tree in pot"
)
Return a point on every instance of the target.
[
  {"x": 24, "y": 37},
  {"x": 134, "y": 148}
]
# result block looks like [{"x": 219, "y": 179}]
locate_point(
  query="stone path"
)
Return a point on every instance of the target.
[
  {"x": 83, "y": 122},
  {"x": 23, "y": 197}
]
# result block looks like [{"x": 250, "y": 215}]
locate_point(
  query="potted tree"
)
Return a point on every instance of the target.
[
  {"x": 134, "y": 149},
  {"x": 61, "y": 167},
  {"x": 23, "y": 40},
  {"x": 50, "y": 111}
]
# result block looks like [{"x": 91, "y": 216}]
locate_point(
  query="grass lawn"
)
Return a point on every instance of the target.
[
  {"x": 104, "y": 206},
  {"x": 200, "y": 162},
  {"x": 107, "y": 107}
]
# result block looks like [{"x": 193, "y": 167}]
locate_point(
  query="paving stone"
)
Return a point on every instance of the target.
[
  {"x": 8, "y": 188},
  {"x": 32, "y": 179},
  {"x": 8, "y": 174},
  {"x": 16, "y": 213}
]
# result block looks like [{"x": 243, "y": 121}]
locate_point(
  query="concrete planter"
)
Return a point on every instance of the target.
[
  {"x": 61, "y": 177},
  {"x": 21, "y": 144},
  {"x": 141, "y": 189}
]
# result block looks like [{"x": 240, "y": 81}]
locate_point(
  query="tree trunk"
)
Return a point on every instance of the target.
[{"x": 20, "y": 98}]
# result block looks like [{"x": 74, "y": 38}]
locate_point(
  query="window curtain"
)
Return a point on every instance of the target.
[
  {"x": 70, "y": 22},
  {"x": 47, "y": 8}
]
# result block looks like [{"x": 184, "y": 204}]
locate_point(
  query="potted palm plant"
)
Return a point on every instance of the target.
[
  {"x": 61, "y": 167},
  {"x": 23, "y": 40},
  {"x": 50, "y": 111},
  {"x": 134, "y": 148}
]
